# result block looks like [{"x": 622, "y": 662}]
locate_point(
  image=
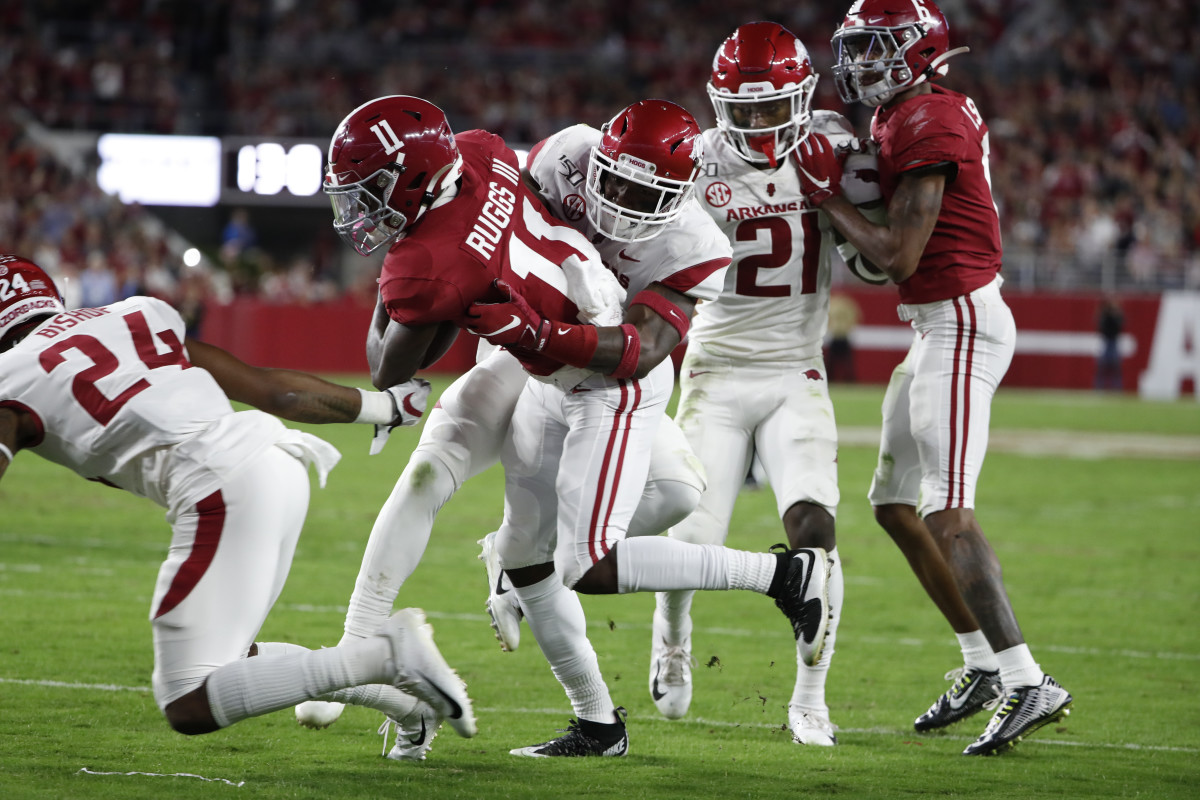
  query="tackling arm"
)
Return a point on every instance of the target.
[
  {"x": 658, "y": 330},
  {"x": 301, "y": 397},
  {"x": 654, "y": 324}
]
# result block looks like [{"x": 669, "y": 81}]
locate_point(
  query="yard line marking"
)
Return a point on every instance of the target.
[
  {"x": 100, "y": 687},
  {"x": 164, "y": 775}
]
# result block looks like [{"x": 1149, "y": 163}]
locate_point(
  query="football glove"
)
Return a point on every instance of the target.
[
  {"x": 819, "y": 166},
  {"x": 408, "y": 406},
  {"x": 510, "y": 322}
]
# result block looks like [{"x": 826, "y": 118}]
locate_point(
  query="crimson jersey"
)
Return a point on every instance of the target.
[
  {"x": 493, "y": 228},
  {"x": 964, "y": 250}
]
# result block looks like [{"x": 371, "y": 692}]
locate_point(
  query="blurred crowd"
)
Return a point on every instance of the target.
[{"x": 1092, "y": 108}]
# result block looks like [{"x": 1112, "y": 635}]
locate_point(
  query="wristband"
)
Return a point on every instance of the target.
[
  {"x": 4, "y": 451},
  {"x": 574, "y": 345},
  {"x": 377, "y": 408},
  {"x": 660, "y": 305},
  {"x": 630, "y": 352}
]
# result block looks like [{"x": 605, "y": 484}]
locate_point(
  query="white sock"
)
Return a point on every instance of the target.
[
  {"x": 388, "y": 699},
  {"x": 381, "y": 697},
  {"x": 809, "y": 692},
  {"x": 556, "y": 618},
  {"x": 1017, "y": 667},
  {"x": 398, "y": 540},
  {"x": 977, "y": 652},
  {"x": 250, "y": 687},
  {"x": 675, "y": 610},
  {"x": 657, "y": 564}
]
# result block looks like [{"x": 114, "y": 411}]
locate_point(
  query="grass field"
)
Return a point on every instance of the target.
[{"x": 1102, "y": 561}]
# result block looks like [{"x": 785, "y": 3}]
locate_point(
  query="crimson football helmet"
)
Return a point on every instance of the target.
[
  {"x": 762, "y": 89},
  {"x": 389, "y": 160},
  {"x": 641, "y": 174},
  {"x": 25, "y": 292},
  {"x": 886, "y": 46}
]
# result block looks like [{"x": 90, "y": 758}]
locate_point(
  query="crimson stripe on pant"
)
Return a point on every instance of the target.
[
  {"x": 616, "y": 481},
  {"x": 597, "y": 550},
  {"x": 204, "y": 547},
  {"x": 960, "y": 377},
  {"x": 966, "y": 423},
  {"x": 954, "y": 405}
]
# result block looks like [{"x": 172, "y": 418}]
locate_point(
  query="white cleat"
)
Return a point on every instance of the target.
[
  {"x": 503, "y": 608},
  {"x": 318, "y": 713},
  {"x": 414, "y": 734},
  {"x": 421, "y": 671},
  {"x": 811, "y": 727},
  {"x": 670, "y": 672}
]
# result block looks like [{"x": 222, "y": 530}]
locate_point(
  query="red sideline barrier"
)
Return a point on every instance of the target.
[
  {"x": 1056, "y": 347},
  {"x": 324, "y": 337}
]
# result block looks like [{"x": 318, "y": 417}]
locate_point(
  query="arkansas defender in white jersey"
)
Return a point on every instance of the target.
[
  {"x": 577, "y": 457},
  {"x": 119, "y": 395},
  {"x": 941, "y": 246},
  {"x": 753, "y": 380}
]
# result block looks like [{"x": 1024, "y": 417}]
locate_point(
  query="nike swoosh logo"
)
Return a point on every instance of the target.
[
  {"x": 809, "y": 562},
  {"x": 958, "y": 702},
  {"x": 500, "y": 585},
  {"x": 456, "y": 711},
  {"x": 654, "y": 692},
  {"x": 562, "y": 331},
  {"x": 417, "y": 741},
  {"x": 515, "y": 322},
  {"x": 628, "y": 258},
  {"x": 819, "y": 184},
  {"x": 693, "y": 373}
]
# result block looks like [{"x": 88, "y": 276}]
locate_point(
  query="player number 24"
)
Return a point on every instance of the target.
[{"x": 104, "y": 362}]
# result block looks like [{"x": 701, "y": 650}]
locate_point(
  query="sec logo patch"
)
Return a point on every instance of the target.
[
  {"x": 573, "y": 207},
  {"x": 718, "y": 194}
]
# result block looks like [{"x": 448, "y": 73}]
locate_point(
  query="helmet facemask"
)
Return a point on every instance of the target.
[
  {"x": 627, "y": 201},
  {"x": 361, "y": 214},
  {"x": 873, "y": 62},
  {"x": 362, "y": 211},
  {"x": 753, "y": 140}
]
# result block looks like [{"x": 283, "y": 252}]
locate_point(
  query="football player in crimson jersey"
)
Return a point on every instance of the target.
[
  {"x": 121, "y": 395},
  {"x": 753, "y": 380},
  {"x": 941, "y": 246},
  {"x": 482, "y": 255},
  {"x": 465, "y": 430}
]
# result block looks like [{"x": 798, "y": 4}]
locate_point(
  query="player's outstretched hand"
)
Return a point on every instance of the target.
[
  {"x": 510, "y": 322},
  {"x": 820, "y": 168},
  {"x": 409, "y": 400}
]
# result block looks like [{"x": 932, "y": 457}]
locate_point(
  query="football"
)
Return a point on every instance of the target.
[{"x": 864, "y": 270}]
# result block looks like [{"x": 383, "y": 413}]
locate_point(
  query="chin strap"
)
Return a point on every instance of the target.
[{"x": 939, "y": 66}]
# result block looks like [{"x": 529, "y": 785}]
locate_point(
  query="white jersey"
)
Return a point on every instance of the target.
[
  {"x": 116, "y": 399},
  {"x": 689, "y": 256},
  {"x": 775, "y": 304}
]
